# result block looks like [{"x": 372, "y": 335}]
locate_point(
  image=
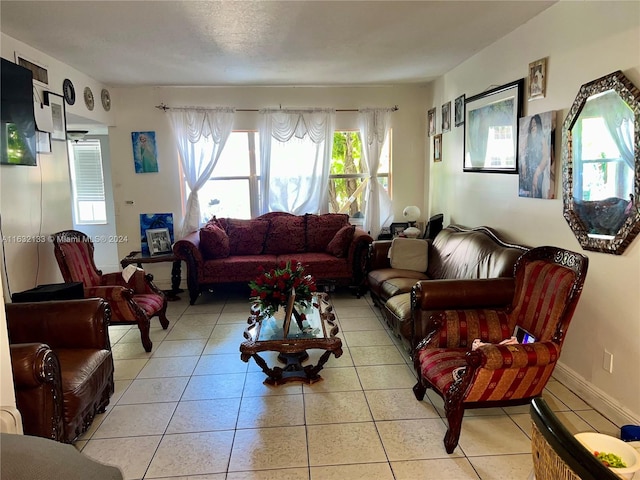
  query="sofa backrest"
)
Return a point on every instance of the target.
[{"x": 471, "y": 253}]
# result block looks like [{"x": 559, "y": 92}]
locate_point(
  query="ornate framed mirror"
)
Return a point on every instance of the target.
[{"x": 601, "y": 164}]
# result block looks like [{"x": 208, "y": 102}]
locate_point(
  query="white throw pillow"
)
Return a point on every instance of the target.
[{"x": 409, "y": 254}]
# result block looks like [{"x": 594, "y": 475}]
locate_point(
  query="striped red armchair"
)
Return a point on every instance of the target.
[
  {"x": 132, "y": 302},
  {"x": 549, "y": 282}
]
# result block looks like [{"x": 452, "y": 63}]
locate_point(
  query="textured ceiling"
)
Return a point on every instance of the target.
[{"x": 190, "y": 43}]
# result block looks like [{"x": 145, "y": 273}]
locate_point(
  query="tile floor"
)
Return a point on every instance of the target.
[{"x": 192, "y": 410}]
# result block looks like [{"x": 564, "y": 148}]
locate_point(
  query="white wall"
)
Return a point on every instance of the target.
[
  {"x": 160, "y": 192},
  {"x": 582, "y": 41}
]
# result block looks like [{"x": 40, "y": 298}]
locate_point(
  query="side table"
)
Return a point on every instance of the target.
[{"x": 138, "y": 258}]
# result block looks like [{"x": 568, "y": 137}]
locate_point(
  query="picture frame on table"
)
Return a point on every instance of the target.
[
  {"x": 446, "y": 117},
  {"x": 159, "y": 241},
  {"x": 537, "y": 79},
  {"x": 437, "y": 148},
  {"x": 398, "y": 228},
  {"x": 431, "y": 122},
  {"x": 491, "y": 129},
  {"x": 58, "y": 114},
  {"x": 459, "y": 111}
]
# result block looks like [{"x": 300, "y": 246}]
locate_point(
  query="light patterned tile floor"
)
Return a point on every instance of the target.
[{"x": 192, "y": 410}]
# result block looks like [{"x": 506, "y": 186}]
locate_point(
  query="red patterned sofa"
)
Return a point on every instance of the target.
[{"x": 228, "y": 250}]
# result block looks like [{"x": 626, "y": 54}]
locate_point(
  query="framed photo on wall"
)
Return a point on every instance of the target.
[
  {"x": 431, "y": 122},
  {"x": 437, "y": 148},
  {"x": 459, "y": 110},
  {"x": 536, "y": 156},
  {"x": 446, "y": 117},
  {"x": 537, "y": 79},
  {"x": 491, "y": 129},
  {"x": 56, "y": 102}
]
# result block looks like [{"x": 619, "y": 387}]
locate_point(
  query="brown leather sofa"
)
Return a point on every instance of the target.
[
  {"x": 467, "y": 267},
  {"x": 62, "y": 365}
]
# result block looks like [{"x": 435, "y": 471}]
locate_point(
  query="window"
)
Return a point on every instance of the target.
[
  {"x": 348, "y": 180},
  {"x": 233, "y": 189},
  {"x": 88, "y": 183}
]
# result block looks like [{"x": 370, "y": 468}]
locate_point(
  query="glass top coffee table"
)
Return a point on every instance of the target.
[{"x": 266, "y": 335}]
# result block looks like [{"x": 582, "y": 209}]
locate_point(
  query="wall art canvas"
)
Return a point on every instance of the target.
[
  {"x": 537, "y": 79},
  {"x": 431, "y": 122},
  {"x": 446, "y": 117},
  {"x": 144, "y": 152},
  {"x": 536, "y": 155},
  {"x": 152, "y": 221}
]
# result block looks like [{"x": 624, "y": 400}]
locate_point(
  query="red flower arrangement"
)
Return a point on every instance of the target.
[{"x": 272, "y": 288}]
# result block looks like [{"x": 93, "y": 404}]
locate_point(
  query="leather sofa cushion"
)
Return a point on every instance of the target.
[
  {"x": 322, "y": 228},
  {"x": 286, "y": 234},
  {"x": 377, "y": 277},
  {"x": 400, "y": 307},
  {"x": 409, "y": 254},
  {"x": 396, "y": 286},
  {"x": 339, "y": 244},
  {"x": 246, "y": 237}
]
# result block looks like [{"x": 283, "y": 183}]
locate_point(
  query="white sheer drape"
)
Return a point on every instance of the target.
[
  {"x": 295, "y": 174},
  {"x": 374, "y": 128},
  {"x": 200, "y": 135}
]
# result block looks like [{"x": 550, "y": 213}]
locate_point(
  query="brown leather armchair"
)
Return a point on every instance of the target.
[
  {"x": 132, "y": 302},
  {"x": 548, "y": 284},
  {"x": 62, "y": 365}
]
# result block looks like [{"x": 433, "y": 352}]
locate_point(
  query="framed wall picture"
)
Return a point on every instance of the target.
[
  {"x": 459, "y": 111},
  {"x": 536, "y": 156},
  {"x": 431, "y": 121},
  {"x": 437, "y": 148},
  {"x": 144, "y": 152},
  {"x": 58, "y": 114},
  {"x": 537, "y": 79},
  {"x": 491, "y": 129},
  {"x": 159, "y": 240},
  {"x": 43, "y": 142},
  {"x": 446, "y": 117}
]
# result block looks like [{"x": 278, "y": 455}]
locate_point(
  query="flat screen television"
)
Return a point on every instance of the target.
[{"x": 18, "y": 124}]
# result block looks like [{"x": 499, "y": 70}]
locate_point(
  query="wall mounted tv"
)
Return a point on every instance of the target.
[{"x": 18, "y": 125}]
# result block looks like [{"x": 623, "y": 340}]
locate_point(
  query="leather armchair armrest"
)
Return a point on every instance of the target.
[
  {"x": 32, "y": 364},
  {"x": 457, "y": 294},
  {"x": 378, "y": 254},
  {"x": 494, "y": 357},
  {"x": 60, "y": 324}
]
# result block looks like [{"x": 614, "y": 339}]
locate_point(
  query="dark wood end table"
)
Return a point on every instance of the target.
[
  {"x": 138, "y": 258},
  {"x": 266, "y": 335}
]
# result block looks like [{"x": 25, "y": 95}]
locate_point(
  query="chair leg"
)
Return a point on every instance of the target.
[
  {"x": 454, "y": 415},
  {"x": 143, "y": 326},
  {"x": 419, "y": 389},
  {"x": 162, "y": 316}
]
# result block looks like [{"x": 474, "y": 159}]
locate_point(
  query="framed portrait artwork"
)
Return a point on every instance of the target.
[
  {"x": 144, "y": 152},
  {"x": 431, "y": 122},
  {"x": 159, "y": 241},
  {"x": 491, "y": 129},
  {"x": 459, "y": 111},
  {"x": 446, "y": 117},
  {"x": 536, "y": 156},
  {"x": 56, "y": 102},
  {"x": 437, "y": 148},
  {"x": 537, "y": 79}
]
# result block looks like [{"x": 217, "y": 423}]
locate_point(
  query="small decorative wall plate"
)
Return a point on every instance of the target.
[
  {"x": 88, "y": 98},
  {"x": 106, "y": 99},
  {"x": 68, "y": 92}
]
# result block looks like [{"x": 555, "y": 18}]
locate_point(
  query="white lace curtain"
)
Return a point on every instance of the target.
[
  {"x": 374, "y": 126},
  {"x": 295, "y": 172},
  {"x": 200, "y": 135}
]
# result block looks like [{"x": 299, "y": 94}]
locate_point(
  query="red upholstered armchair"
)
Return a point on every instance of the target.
[
  {"x": 132, "y": 302},
  {"x": 549, "y": 282}
]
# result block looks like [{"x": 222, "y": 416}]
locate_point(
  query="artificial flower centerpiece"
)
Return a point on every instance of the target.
[{"x": 273, "y": 288}]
